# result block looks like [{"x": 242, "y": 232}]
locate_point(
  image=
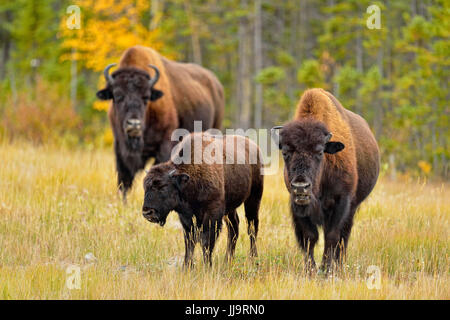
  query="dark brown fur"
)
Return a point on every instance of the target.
[
  {"x": 184, "y": 93},
  {"x": 327, "y": 178},
  {"x": 208, "y": 191}
]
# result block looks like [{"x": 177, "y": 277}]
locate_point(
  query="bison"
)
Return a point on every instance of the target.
[
  {"x": 203, "y": 193},
  {"x": 331, "y": 165},
  {"x": 146, "y": 109}
]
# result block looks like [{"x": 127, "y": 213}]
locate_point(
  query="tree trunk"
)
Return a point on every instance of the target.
[
  {"x": 378, "y": 123},
  {"x": 258, "y": 65},
  {"x": 292, "y": 72},
  {"x": 434, "y": 145},
  {"x": 12, "y": 80},
  {"x": 392, "y": 167},
  {"x": 195, "y": 39},
  {"x": 359, "y": 66},
  {"x": 73, "y": 81},
  {"x": 154, "y": 14},
  {"x": 244, "y": 89},
  {"x": 5, "y": 57},
  {"x": 6, "y": 47}
]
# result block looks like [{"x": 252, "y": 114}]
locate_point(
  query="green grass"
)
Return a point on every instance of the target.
[{"x": 57, "y": 205}]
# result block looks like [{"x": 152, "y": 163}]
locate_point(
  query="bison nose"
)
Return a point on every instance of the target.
[
  {"x": 134, "y": 123},
  {"x": 146, "y": 211},
  {"x": 301, "y": 185},
  {"x": 149, "y": 214},
  {"x": 301, "y": 188},
  {"x": 133, "y": 127}
]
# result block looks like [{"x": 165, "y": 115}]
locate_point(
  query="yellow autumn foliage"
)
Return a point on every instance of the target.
[
  {"x": 424, "y": 166},
  {"x": 106, "y": 30},
  {"x": 101, "y": 105}
]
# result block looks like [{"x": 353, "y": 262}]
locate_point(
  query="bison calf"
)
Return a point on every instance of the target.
[
  {"x": 331, "y": 165},
  {"x": 207, "y": 178}
]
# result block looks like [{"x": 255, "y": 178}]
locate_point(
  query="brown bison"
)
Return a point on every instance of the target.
[
  {"x": 228, "y": 175},
  {"x": 145, "y": 110},
  {"x": 331, "y": 165}
]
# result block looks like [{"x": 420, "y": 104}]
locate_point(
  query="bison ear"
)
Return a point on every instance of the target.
[
  {"x": 333, "y": 147},
  {"x": 156, "y": 94},
  {"x": 180, "y": 180},
  {"x": 104, "y": 94}
]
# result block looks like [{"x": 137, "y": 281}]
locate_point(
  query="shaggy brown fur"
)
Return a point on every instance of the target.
[
  {"x": 327, "y": 178},
  {"x": 183, "y": 94},
  {"x": 229, "y": 175}
]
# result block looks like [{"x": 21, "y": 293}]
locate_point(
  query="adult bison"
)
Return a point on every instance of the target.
[
  {"x": 331, "y": 165},
  {"x": 207, "y": 179},
  {"x": 145, "y": 110}
]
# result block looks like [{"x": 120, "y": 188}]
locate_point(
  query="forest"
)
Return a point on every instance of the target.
[
  {"x": 395, "y": 72},
  {"x": 67, "y": 233}
]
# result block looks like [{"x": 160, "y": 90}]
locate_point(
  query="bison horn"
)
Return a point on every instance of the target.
[
  {"x": 108, "y": 77},
  {"x": 273, "y": 130},
  {"x": 155, "y": 79},
  {"x": 276, "y": 128},
  {"x": 329, "y": 136}
]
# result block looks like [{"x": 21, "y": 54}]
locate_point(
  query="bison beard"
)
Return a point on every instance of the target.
[
  {"x": 135, "y": 144},
  {"x": 312, "y": 210}
]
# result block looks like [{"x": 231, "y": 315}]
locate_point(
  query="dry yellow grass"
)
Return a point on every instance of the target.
[{"x": 58, "y": 205}]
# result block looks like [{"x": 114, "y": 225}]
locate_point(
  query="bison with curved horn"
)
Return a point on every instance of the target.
[
  {"x": 331, "y": 165},
  {"x": 152, "y": 96}
]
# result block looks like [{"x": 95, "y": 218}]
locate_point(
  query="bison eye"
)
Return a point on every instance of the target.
[
  {"x": 146, "y": 98},
  {"x": 118, "y": 97}
]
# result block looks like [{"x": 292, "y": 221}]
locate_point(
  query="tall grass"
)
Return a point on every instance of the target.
[{"x": 57, "y": 205}]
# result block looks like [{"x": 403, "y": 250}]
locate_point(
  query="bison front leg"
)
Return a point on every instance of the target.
[
  {"x": 124, "y": 177},
  {"x": 334, "y": 249},
  {"x": 209, "y": 231},
  {"x": 307, "y": 236},
  {"x": 190, "y": 239},
  {"x": 189, "y": 243}
]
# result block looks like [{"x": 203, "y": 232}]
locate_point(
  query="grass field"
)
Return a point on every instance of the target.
[{"x": 56, "y": 206}]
